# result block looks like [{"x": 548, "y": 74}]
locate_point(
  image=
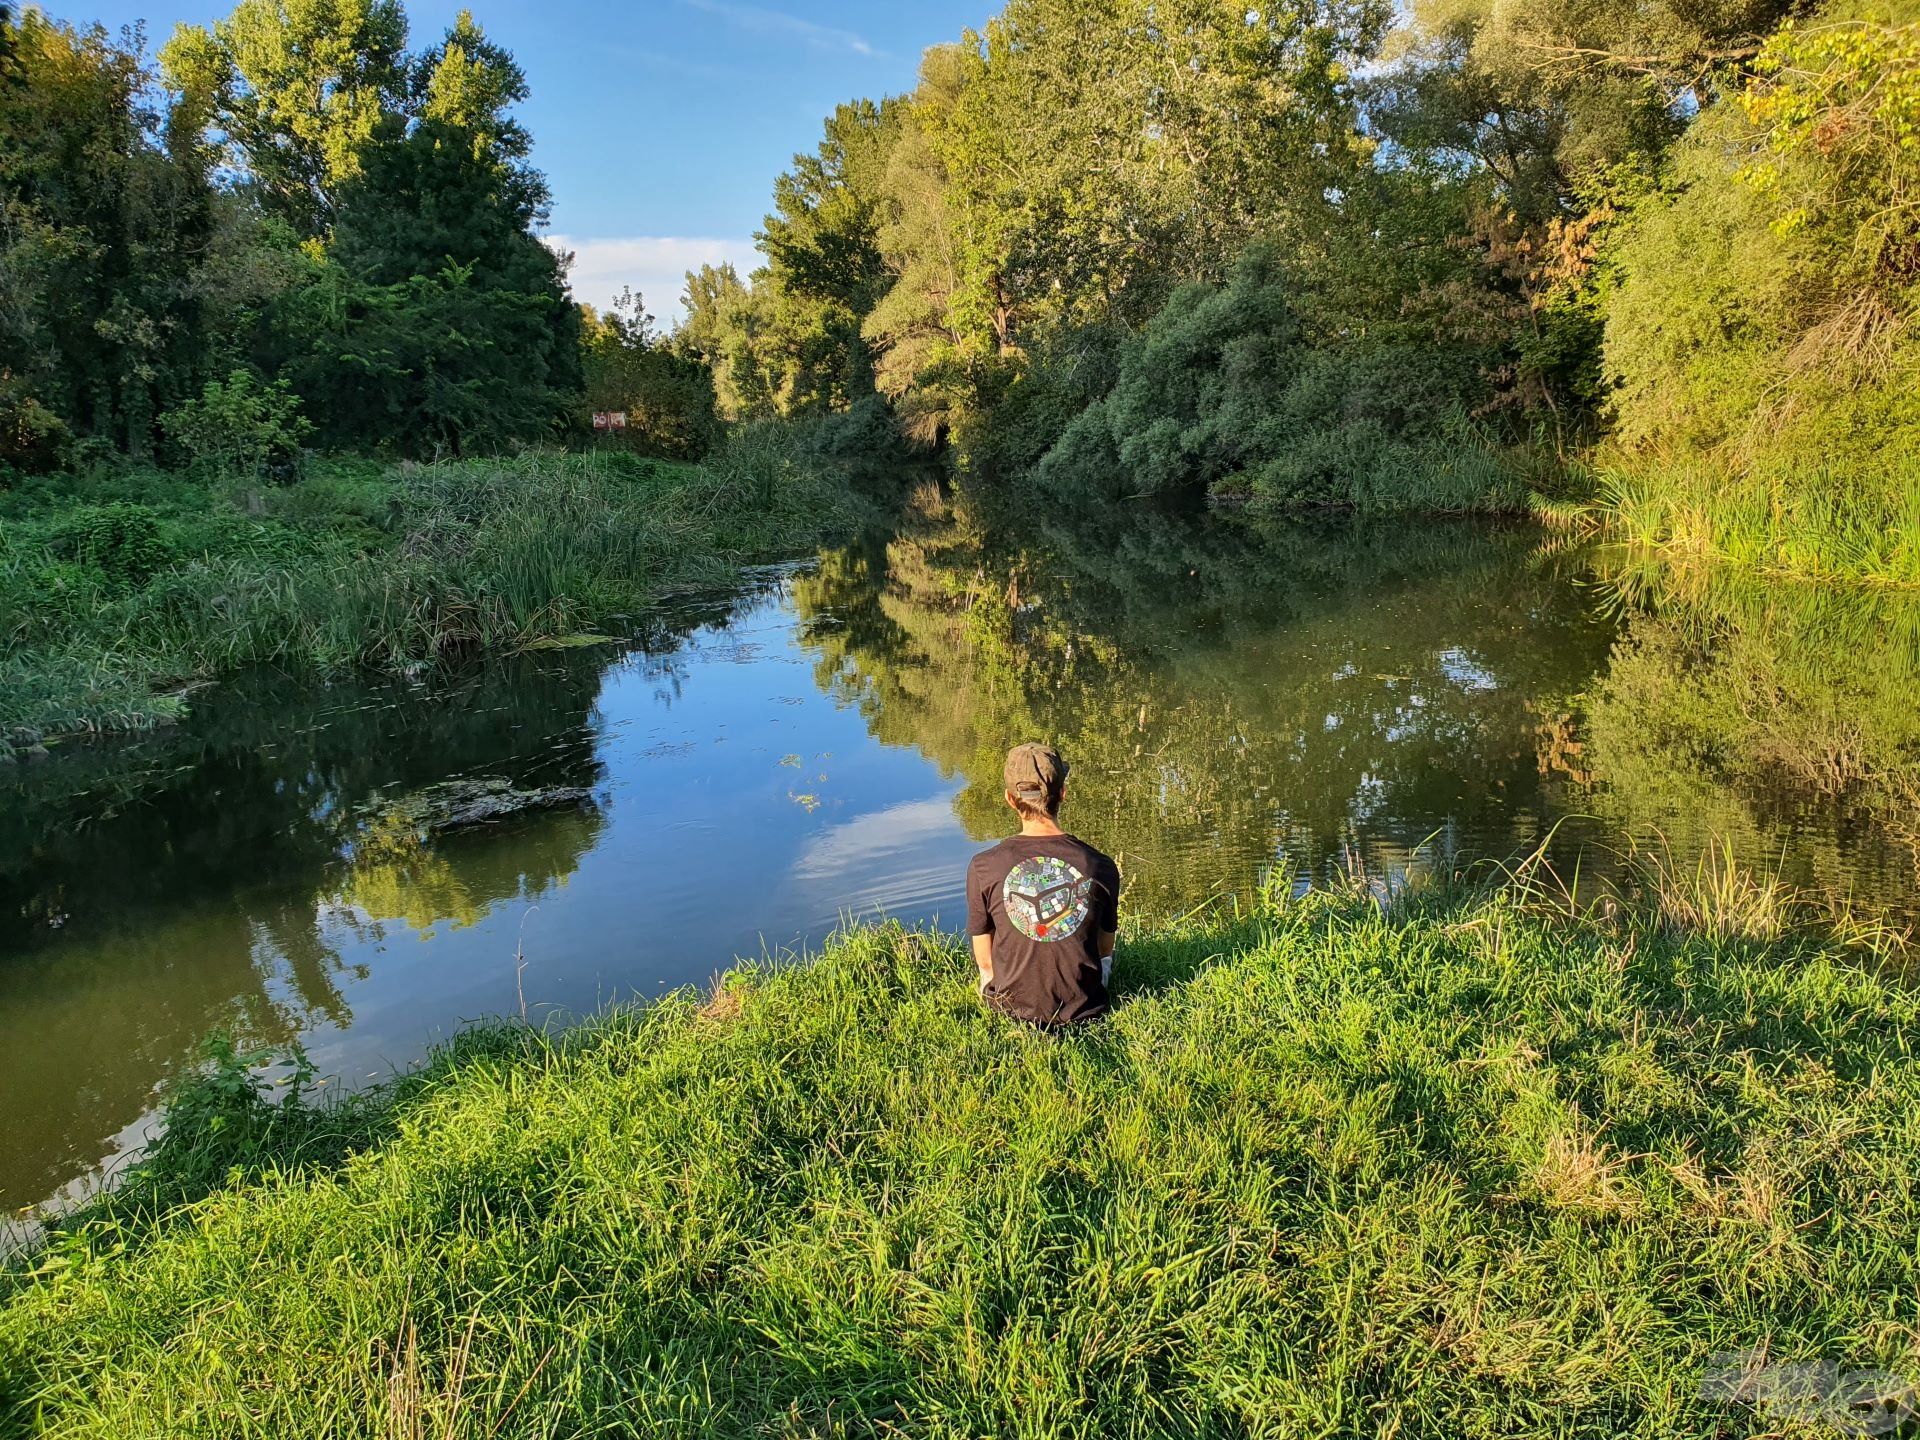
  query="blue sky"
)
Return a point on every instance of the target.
[{"x": 662, "y": 123}]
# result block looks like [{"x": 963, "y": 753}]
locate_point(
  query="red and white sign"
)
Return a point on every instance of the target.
[{"x": 609, "y": 419}]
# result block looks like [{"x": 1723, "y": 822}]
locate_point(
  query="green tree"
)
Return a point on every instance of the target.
[
  {"x": 442, "y": 325},
  {"x": 926, "y": 362},
  {"x": 727, "y": 328},
  {"x": 297, "y": 89},
  {"x": 102, "y": 225},
  {"x": 1555, "y": 119},
  {"x": 668, "y": 397},
  {"x": 825, "y": 269},
  {"x": 439, "y": 323},
  {"x": 1768, "y": 289},
  {"x": 1078, "y": 160}
]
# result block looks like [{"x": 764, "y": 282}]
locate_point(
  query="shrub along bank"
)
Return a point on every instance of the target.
[
  {"x": 1458, "y": 1167},
  {"x": 116, "y": 593}
]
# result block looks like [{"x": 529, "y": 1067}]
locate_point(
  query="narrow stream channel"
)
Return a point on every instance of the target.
[{"x": 824, "y": 742}]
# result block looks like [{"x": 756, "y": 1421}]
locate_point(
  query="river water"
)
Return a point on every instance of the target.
[{"x": 1238, "y": 698}]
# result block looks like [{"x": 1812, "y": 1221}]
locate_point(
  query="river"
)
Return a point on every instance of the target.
[{"x": 1240, "y": 699}]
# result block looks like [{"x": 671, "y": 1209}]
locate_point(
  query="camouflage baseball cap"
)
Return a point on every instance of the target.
[{"x": 1036, "y": 774}]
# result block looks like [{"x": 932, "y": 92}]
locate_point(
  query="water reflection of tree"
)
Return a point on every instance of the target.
[
  {"x": 397, "y": 872},
  {"x": 1226, "y": 690},
  {"x": 1782, "y": 717},
  {"x": 151, "y": 892},
  {"x": 157, "y": 892}
]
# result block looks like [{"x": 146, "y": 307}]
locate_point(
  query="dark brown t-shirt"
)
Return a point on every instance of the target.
[{"x": 1045, "y": 900}]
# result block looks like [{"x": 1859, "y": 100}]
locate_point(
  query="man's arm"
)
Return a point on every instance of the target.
[
  {"x": 980, "y": 923},
  {"x": 983, "y": 958},
  {"x": 1109, "y": 921}
]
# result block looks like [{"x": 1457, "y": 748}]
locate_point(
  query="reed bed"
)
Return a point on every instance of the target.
[
  {"x": 1857, "y": 525},
  {"x": 431, "y": 562}
]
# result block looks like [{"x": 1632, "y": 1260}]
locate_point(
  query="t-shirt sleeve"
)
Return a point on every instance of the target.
[
  {"x": 1109, "y": 889},
  {"x": 979, "y": 921}
]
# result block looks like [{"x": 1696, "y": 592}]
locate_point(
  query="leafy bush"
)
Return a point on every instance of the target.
[
  {"x": 863, "y": 441},
  {"x": 31, "y": 435},
  {"x": 1224, "y": 392},
  {"x": 240, "y": 427},
  {"x": 123, "y": 541},
  {"x": 1025, "y": 410},
  {"x": 1762, "y": 327}
]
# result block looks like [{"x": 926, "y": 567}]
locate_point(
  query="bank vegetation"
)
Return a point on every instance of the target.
[{"x": 1456, "y": 1164}]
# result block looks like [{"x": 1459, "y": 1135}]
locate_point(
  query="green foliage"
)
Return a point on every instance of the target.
[
  {"x": 103, "y": 218},
  {"x": 1558, "y": 1165},
  {"x": 1474, "y": 208},
  {"x": 1224, "y": 392},
  {"x": 368, "y": 248},
  {"x": 668, "y": 397},
  {"x": 123, "y": 541},
  {"x": 441, "y": 326},
  {"x": 106, "y": 608},
  {"x": 31, "y": 436},
  {"x": 1074, "y": 163},
  {"x": 296, "y": 89},
  {"x": 799, "y": 457},
  {"x": 825, "y": 270},
  {"x": 1506, "y": 226},
  {"x": 791, "y": 342},
  {"x": 1762, "y": 326},
  {"x": 722, "y": 330},
  {"x": 239, "y": 428},
  {"x": 1023, "y": 410}
]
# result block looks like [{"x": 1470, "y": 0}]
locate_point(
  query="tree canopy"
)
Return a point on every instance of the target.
[
  {"x": 1291, "y": 250},
  {"x": 292, "y": 197}
]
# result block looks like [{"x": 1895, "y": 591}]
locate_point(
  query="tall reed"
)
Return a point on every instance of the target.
[{"x": 483, "y": 554}]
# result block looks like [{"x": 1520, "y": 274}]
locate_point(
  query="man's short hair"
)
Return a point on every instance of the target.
[{"x": 1036, "y": 776}]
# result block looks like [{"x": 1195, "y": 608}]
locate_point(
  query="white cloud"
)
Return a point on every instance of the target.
[
  {"x": 775, "y": 22},
  {"x": 654, "y": 265}
]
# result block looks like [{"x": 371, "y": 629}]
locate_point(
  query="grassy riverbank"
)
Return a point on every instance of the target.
[
  {"x": 1856, "y": 524},
  {"x": 117, "y": 592},
  {"x": 1458, "y": 1169}
]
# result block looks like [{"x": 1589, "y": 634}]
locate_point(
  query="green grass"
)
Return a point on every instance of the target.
[
  {"x": 114, "y": 595},
  {"x": 1457, "y": 1168},
  {"x": 1857, "y": 524}
]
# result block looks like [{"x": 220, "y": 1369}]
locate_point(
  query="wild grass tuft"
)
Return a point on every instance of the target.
[{"x": 1856, "y": 524}]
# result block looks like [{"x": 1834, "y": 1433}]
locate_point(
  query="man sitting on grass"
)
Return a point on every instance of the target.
[{"x": 1042, "y": 907}]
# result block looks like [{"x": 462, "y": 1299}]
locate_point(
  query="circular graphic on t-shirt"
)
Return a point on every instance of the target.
[{"x": 1046, "y": 898}]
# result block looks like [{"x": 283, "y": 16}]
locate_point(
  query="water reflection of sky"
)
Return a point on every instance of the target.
[{"x": 744, "y": 813}]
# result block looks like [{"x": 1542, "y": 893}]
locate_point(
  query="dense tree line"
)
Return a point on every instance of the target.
[
  {"x": 1361, "y": 238},
  {"x": 290, "y": 228},
  {"x": 1302, "y": 251}
]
